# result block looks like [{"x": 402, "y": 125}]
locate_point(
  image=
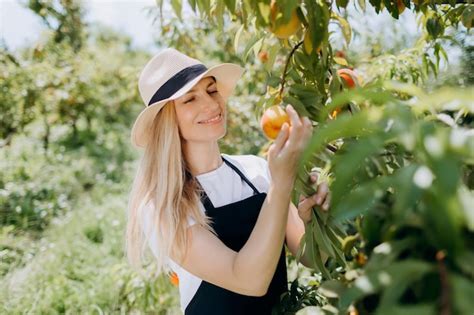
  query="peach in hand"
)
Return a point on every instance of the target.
[{"x": 272, "y": 120}]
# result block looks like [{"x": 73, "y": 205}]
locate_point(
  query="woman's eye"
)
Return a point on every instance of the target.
[{"x": 192, "y": 99}]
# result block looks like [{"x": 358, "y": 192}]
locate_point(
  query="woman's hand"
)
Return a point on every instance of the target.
[
  {"x": 321, "y": 197},
  {"x": 285, "y": 152}
]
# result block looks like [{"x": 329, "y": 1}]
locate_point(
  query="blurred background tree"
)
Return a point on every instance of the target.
[{"x": 395, "y": 143}]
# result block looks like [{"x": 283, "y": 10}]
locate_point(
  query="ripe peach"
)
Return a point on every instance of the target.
[
  {"x": 272, "y": 120},
  {"x": 263, "y": 56},
  {"x": 283, "y": 31},
  {"x": 349, "y": 77}
]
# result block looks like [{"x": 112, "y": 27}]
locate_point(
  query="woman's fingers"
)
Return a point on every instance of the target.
[
  {"x": 322, "y": 196},
  {"x": 280, "y": 139},
  {"x": 296, "y": 125},
  {"x": 305, "y": 203},
  {"x": 293, "y": 115},
  {"x": 327, "y": 202},
  {"x": 308, "y": 127},
  {"x": 314, "y": 176},
  {"x": 322, "y": 192},
  {"x": 302, "y": 198}
]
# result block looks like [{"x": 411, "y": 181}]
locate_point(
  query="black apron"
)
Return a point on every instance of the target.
[{"x": 233, "y": 224}]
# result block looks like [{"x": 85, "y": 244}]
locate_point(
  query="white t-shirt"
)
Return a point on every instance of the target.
[{"x": 223, "y": 186}]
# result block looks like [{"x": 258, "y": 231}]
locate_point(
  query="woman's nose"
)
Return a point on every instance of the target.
[{"x": 208, "y": 102}]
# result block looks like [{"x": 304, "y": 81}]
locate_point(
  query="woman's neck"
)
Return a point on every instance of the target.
[{"x": 202, "y": 158}]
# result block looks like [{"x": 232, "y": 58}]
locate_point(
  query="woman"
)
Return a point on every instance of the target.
[{"x": 219, "y": 221}]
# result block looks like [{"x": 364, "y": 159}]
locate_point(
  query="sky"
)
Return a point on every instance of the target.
[{"x": 19, "y": 26}]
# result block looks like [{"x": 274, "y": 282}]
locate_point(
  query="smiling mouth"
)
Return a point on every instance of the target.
[{"x": 216, "y": 118}]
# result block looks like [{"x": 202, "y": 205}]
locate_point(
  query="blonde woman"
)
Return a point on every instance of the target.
[{"x": 218, "y": 221}]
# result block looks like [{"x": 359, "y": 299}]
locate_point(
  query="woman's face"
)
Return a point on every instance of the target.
[{"x": 196, "y": 112}]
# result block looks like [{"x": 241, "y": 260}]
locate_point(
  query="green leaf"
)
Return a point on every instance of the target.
[
  {"x": 258, "y": 45},
  {"x": 462, "y": 293},
  {"x": 313, "y": 248},
  {"x": 360, "y": 201},
  {"x": 230, "y": 4},
  {"x": 318, "y": 20},
  {"x": 371, "y": 230},
  {"x": 400, "y": 274},
  {"x": 337, "y": 245},
  {"x": 349, "y": 162},
  {"x": 345, "y": 27},
  {"x": 466, "y": 198},
  {"x": 176, "y": 4},
  {"x": 303, "y": 60},
  {"x": 220, "y": 14},
  {"x": 301, "y": 246},
  {"x": 359, "y": 124},
  {"x": 341, "y": 61},
  {"x": 264, "y": 9},
  {"x": 384, "y": 254},
  {"x": 331, "y": 288},
  {"x": 364, "y": 197},
  {"x": 418, "y": 309},
  {"x": 342, "y": 3},
  {"x": 322, "y": 239},
  {"x": 349, "y": 243},
  {"x": 253, "y": 41},
  {"x": 159, "y": 4},
  {"x": 376, "y": 5},
  {"x": 441, "y": 214},
  {"x": 204, "y": 6},
  {"x": 467, "y": 16},
  {"x": 322, "y": 215},
  {"x": 407, "y": 88},
  {"x": 297, "y": 104},
  {"x": 408, "y": 194},
  {"x": 357, "y": 95},
  {"x": 272, "y": 54},
  {"x": 303, "y": 90},
  {"x": 434, "y": 27},
  {"x": 237, "y": 37},
  {"x": 192, "y": 4},
  {"x": 464, "y": 262}
]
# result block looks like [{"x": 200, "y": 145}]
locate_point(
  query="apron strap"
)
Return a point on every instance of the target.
[
  {"x": 205, "y": 198},
  {"x": 255, "y": 190}
]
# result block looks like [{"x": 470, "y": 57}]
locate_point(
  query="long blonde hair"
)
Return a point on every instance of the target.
[{"x": 163, "y": 180}]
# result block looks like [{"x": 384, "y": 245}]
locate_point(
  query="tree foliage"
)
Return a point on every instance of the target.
[{"x": 398, "y": 155}]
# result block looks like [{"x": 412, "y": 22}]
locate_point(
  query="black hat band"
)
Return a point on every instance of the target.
[{"x": 177, "y": 81}]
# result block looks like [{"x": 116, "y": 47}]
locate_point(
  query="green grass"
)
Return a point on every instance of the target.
[{"x": 78, "y": 265}]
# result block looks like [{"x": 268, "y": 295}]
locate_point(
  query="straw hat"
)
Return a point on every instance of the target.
[{"x": 169, "y": 75}]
